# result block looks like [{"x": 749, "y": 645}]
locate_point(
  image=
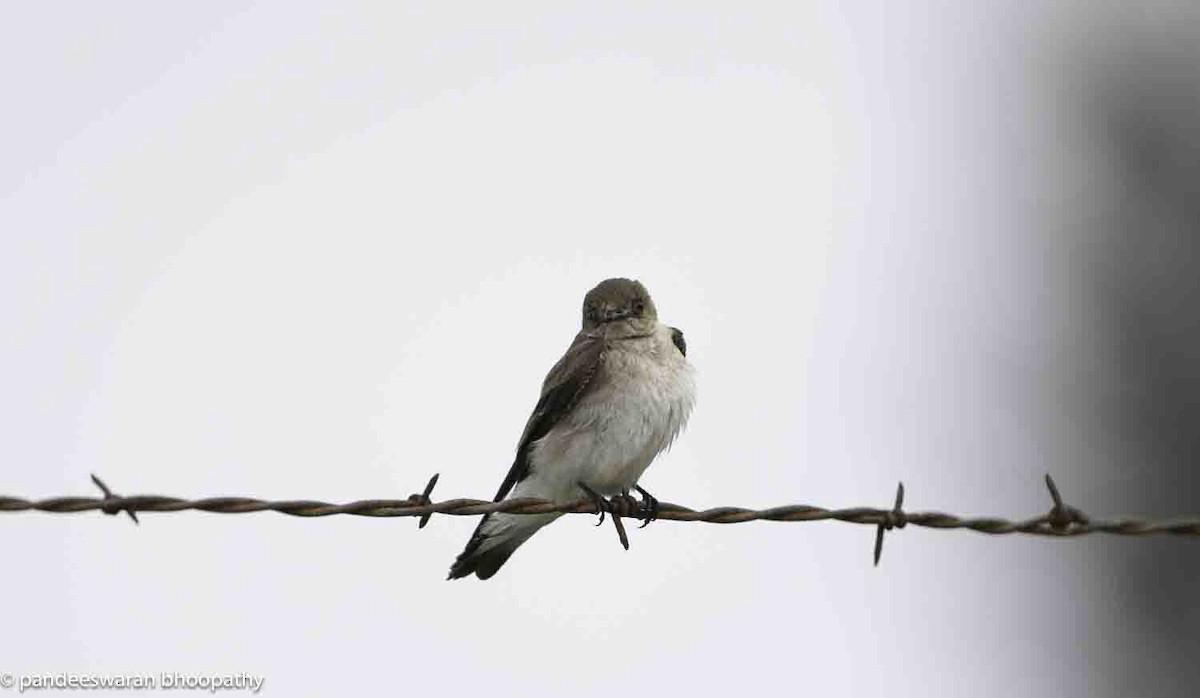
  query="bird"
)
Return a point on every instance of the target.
[{"x": 617, "y": 398}]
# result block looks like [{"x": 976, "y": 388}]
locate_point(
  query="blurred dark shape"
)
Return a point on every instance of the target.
[
  {"x": 1143, "y": 96},
  {"x": 1154, "y": 291}
]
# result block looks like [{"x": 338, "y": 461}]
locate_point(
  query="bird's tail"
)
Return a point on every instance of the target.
[{"x": 495, "y": 539}]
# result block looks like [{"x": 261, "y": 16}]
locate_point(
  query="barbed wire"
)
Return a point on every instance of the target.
[{"x": 1061, "y": 521}]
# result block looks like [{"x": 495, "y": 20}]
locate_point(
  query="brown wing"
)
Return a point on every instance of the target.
[
  {"x": 677, "y": 339},
  {"x": 566, "y": 383}
]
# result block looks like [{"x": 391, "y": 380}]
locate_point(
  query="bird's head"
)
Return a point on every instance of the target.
[{"x": 619, "y": 302}]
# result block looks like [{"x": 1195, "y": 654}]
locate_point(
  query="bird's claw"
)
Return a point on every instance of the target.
[
  {"x": 602, "y": 504},
  {"x": 648, "y": 506}
]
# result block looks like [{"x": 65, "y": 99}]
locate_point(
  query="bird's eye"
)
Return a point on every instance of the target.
[{"x": 638, "y": 306}]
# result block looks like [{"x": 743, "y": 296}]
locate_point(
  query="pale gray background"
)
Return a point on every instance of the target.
[{"x": 283, "y": 250}]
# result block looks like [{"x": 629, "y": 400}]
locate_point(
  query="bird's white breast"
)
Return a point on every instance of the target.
[{"x": 640, "y": 403}]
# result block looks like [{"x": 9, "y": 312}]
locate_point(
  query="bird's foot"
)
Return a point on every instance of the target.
[
  {"x": 648, "y": 506},
  {"x": 629, "y": 505},
  {"x": 602, "y": 504}
]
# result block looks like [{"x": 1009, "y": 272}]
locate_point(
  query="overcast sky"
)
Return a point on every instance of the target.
[{"x": 293, "y": 250}]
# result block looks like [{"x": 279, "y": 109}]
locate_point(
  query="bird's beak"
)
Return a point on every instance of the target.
[{"x": 611, "y": 313}]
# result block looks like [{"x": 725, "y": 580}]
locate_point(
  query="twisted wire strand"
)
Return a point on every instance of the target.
[{"x": 1062, "y": 521}]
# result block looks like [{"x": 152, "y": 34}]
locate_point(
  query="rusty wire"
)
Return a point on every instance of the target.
[{"x": 1061, "y": 521}]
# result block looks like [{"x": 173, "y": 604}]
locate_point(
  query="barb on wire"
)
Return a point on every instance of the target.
[
  {"x": 1061, "y": 521},
  {"x": 423, "y": 499},
  {"x": 1062, "y": 517},
  {"x": 112, "y": 509},
  {"x": 896, "y": 519}
]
